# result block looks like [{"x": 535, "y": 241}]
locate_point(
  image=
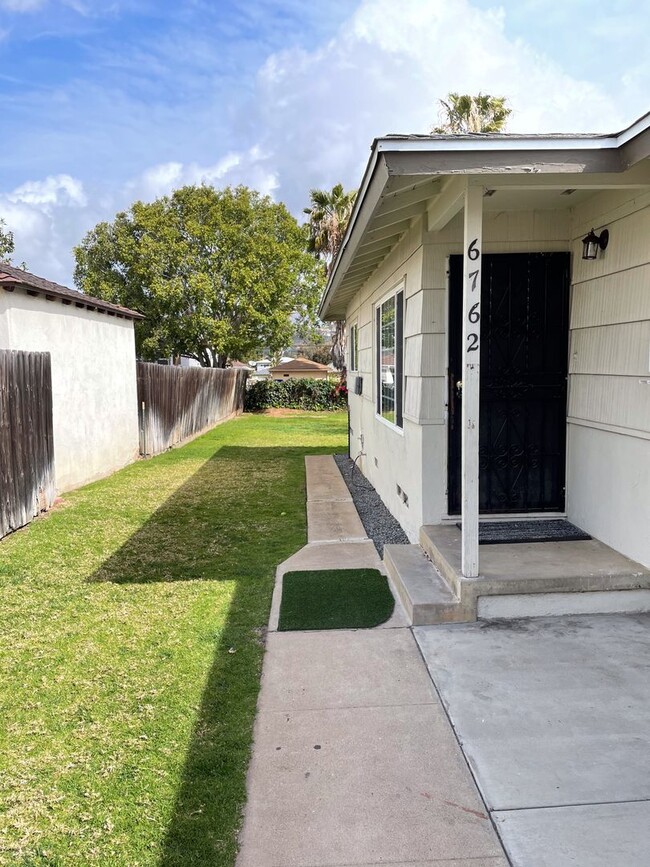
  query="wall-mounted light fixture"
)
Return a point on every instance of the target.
[{"x": 591, "y": 243}]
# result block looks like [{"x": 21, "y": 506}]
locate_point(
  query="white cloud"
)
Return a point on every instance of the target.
[
  {"x": 50, "y": 216},
  {"x": 47, "y": 218},
  {"x": 246, "y": 167},
  {"x": 54, "y": 190},
  {"x": 22, "y": 5},
  {"x": 313, "y": 114},
  {"x": 319, "y": 111}
]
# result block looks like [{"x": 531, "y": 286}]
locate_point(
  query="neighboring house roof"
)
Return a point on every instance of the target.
[
  {"x": 241, "y": 365},
  {"x": 298, "y": 364},
  {"x": 410, "y": 176},
  {"x": 11, "y": 277}
]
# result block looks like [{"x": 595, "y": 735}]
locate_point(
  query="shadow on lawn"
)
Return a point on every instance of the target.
[{"x": 224, "y": 524}]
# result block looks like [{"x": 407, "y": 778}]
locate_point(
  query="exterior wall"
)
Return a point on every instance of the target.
[
  {"x": 608, "y": 476},
  {"x": 389, "y": 457},
  {"x": 416, "y": 460},
  {"x": 93, "y": 382},
  {"x": 608, "y": 437}
]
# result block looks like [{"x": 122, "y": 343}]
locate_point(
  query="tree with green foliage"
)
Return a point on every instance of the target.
[
  {"x": 329, "y": 213},
  {"x": 6, "y": 242},
  {"x": 462, "y": 113},
  {"x": 217, "y": 273}
]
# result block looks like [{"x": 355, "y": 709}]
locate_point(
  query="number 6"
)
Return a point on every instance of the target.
[
  {"x": 472, "y": 251},
  {"x": 474, "y": 314}
]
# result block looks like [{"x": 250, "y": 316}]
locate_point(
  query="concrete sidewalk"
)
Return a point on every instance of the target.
[{"x": 354, "y": 760}]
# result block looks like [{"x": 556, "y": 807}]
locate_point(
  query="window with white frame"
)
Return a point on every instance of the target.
[
  {"x": 354, "y": 348},
  {"x": 390, "y": 352}
]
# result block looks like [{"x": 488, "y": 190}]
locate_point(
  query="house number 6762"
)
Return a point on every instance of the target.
[{"x": 473, "y": 314}]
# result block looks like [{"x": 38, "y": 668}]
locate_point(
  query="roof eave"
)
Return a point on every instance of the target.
[
  {"x": 79, "y": 299},
  {"x": 403, "y": 156}
]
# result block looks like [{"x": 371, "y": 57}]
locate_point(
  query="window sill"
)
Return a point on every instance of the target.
[{"x": 389, "y": 424}]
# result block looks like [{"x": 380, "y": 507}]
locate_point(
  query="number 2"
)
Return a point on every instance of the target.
[{"x": 473, "y": 342}]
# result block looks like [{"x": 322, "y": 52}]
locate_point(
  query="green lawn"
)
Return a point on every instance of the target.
[{"x": 132, "y": 637}]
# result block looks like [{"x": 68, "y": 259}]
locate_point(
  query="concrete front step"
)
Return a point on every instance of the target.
[
  {"x": 518, "y": 580},
  {"x": 539, "y": 578},
  {"x": 424, "y": 593}
]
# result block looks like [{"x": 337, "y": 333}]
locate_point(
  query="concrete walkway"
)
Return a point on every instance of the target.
[{"x": 354, "y": 760}]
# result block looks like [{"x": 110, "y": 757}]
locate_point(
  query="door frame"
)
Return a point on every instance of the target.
[{"x": 506, "y": 516}]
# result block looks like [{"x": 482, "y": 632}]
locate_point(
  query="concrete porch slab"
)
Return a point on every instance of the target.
[
  {"x": 601, "y": 835},
  {"x": 551, "y": 712},
  {"x": 455, "y": 862}
]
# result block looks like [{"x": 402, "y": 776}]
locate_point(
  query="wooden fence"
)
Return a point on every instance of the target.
[
  {"x": 176, "y": 403},
  {"x": 26, "y": 438}
]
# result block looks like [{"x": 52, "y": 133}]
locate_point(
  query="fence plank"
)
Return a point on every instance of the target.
[
  {"x": 176, "y": 403},
  {"x": 26, "y": 438}
]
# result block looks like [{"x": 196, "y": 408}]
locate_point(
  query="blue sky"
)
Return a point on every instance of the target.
[{"x": 106, "y": 101}]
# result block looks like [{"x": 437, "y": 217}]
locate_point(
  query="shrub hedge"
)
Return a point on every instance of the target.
[{"x": 315, "y": 394}]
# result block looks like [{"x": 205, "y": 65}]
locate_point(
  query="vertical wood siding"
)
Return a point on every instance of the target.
[
  {"x": 26, "y": 438},
  {"x": 176, "y": 403}
]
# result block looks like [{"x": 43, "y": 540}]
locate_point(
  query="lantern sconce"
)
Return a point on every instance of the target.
[{"x": 592, "y": 242}]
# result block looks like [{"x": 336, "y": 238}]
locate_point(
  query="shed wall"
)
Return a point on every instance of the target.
[{"x": 93, "y": 382}]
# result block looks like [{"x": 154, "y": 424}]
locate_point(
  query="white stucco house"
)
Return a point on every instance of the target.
[
  {"x": 494, "y": 371},
  {"x": 92, "y": 348}
]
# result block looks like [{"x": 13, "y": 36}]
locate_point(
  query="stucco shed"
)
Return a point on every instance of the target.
[{"x": 92, "y": 348}]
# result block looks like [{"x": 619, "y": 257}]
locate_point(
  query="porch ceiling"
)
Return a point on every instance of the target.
[{"x": 414, "y": 177}]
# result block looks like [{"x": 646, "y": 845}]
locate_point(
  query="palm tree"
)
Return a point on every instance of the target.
[
  {"x": 329, "y": 214},
  {"x": 462, "y": 114}
]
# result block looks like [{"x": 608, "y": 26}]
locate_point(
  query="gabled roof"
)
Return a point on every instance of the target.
[
  {"x": 410, "y": 175},
  {"x": 11, "y": 277},
  {"x": 298, "y": 364}
]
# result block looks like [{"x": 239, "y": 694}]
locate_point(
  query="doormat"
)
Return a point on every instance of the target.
[
  {"x": 511, "y": 532},
  {"x": 334, "y": 599}
]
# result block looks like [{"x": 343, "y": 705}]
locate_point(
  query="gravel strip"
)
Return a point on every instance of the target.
[{"x": 378, "y": 522}]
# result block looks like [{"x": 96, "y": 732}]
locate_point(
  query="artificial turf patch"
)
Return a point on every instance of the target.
[{"x": 334, "y": 599}]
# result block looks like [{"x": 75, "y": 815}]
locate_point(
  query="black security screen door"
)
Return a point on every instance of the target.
[{"x": 524, "y": 347}]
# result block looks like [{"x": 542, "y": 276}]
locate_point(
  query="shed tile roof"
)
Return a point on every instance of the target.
[{"x": 10, "y": 277}]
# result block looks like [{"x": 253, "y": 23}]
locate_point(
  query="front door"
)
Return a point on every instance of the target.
[{"x": 524, "y": 348}]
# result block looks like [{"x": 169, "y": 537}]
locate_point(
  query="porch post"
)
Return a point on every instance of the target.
[{"x": 472, "y": 261}]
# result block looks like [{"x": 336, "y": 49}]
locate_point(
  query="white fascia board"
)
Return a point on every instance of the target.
[
  {"x": 496, "y": 144},
  {"x": 359, "y": 205},
  {"x": 517, "y": 142},
  {"x": 639, "y": 126}
]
